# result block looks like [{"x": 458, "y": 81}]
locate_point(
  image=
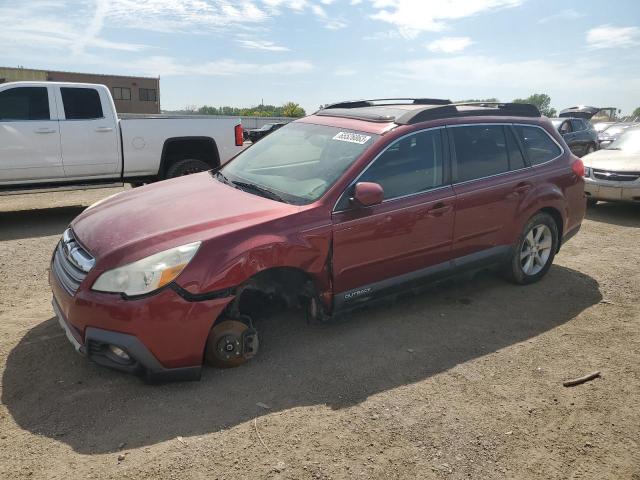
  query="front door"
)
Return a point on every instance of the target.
[
  {"x": 409, "y": 234},
  {"x": 89, "y": 133},
  {"x": 29, "y": 136}
]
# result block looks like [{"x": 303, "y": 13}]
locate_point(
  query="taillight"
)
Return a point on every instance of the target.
[
  {"x": 238, "y": 132},
  {"x": 578, "y": 167}
]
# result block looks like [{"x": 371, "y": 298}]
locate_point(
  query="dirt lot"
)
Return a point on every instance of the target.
[{"x": 461, "y": 381}]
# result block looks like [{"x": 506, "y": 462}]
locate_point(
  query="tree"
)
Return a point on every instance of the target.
[
  {"x": 540, "y": 100},
  {"x": 636, "y": 113},
  {"x": 291, "y": 109}
]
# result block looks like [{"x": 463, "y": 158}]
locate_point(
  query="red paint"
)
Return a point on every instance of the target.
[
  {"x": 243, "y": 234},
  {"x": 368, "y": 194}
]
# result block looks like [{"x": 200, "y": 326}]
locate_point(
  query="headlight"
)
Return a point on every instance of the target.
[{"x": 148, "y": 274}]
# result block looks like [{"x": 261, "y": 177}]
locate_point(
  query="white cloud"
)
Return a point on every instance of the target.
[
  {"x": 345, "y": 72},
  {"x": 610, "y": 36},
  {"x": 567, "y": 14},
  {"x": 414, "y": 16},
  {"x": 167, "y": 66},
  {"x": 263, "y": 45},
  {"x": 449, "y": 44}
]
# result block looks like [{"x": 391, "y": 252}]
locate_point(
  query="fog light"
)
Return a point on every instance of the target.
[{"x": 118, "y": 352}]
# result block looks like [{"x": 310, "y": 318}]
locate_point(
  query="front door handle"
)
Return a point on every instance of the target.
[
  {"x": 522, "y": 187},
  {"x": 439, "y": 209},
  {"x": 45, "y": 130},
  {"x": 104, "y": 129}
]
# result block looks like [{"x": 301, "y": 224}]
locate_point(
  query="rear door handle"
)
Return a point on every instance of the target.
[
  {"x": 104, "y": 129},
  {"x": 439, "y": 209},
  {"x": 45, "y": 130}
]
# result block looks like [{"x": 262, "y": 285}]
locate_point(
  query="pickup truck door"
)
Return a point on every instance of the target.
[
  {"x": 88, "y": 132},
  {"x": 29, "y": 135}
]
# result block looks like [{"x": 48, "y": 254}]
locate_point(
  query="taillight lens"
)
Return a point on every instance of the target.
[
  {"x": 238, "y": 132},
  {"x": 578, "y": 167}
]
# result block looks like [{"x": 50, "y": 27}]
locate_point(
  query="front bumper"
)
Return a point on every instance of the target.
[
  {"x": 164, "y": 334},
  {"x": 612, "y": 191}
]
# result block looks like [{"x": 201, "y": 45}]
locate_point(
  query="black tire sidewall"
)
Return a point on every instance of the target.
[
  {"x": 177, "y": 169},
  {"x": 517, "y": 274}
]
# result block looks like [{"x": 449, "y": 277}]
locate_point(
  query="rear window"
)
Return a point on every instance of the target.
[
  {"x": 81, "y": 103},
  {"x": 538, "y": 144},
  {"x": 24, "y": 103}
]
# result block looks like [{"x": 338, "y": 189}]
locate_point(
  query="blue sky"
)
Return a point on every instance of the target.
[{"x": 219, "y": 52}]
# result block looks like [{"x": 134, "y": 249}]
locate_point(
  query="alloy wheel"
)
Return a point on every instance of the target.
[{"x": 536, "y": 249}]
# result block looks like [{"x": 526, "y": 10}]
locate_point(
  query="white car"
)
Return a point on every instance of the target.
[
  {"x": 613, "y": 173},
  {"x": 68, "y": 136}
]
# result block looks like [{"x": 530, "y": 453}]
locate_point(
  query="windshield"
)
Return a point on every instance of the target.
[
  {"x": 298, "y": 162},
  {"x": 629, "y": 142},
  {"x": 266, "y": 127}
]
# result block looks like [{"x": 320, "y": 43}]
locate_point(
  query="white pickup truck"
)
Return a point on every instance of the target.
[{"x": 68, "y": 136}]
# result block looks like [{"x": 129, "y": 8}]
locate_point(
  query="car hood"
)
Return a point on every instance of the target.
[
  {"x": 139, "y": 222},
  {"x": 614, "y": 160}
]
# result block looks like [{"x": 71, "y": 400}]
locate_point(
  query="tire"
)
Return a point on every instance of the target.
[
  {"x": 187, "y": 167},
  {"x": 535, "y": 250},
  {"x": 226, "y": 344},
  {"x": 590, "y": 149},
  {"x": 591, "y": 202}
]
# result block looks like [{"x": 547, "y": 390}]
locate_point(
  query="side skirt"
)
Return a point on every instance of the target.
[{"x": 358, "y": 296}]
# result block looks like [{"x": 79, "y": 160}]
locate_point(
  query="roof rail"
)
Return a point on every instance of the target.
[
  {"x": 432, "y": 109},
  {"x": 470, "y": 109},
  {"x": 390, "y": 101}
]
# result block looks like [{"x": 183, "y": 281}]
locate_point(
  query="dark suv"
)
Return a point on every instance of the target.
[
  {"x": 356, "y": 201},
  {"x": 578, "y": 133}
]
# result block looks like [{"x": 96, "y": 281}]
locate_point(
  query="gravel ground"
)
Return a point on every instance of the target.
[{"x": 463, "y": 380}]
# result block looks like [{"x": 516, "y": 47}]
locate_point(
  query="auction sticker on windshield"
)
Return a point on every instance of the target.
[{"x": 352, "y": 137}]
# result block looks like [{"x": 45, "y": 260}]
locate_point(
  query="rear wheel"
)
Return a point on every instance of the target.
[
  {"x": 533, "y": 254},
  {"x": 230, "y": 344},
  {"x": 187, "y": 167}
]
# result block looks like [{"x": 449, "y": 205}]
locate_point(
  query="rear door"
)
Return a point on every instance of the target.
[
  {"x": 29, "y": 135},
  {"x": 490, "y": 178},
  {"x": 409, "y": 234},
  {"x": 89, "y": 135},
  {"x": 581, "y": 136}
]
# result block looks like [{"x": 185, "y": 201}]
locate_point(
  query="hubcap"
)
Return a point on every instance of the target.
[{"x": 536, "y": 249}]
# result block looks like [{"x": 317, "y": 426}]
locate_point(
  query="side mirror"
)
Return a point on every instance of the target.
[{"x": 367, "y": 194}]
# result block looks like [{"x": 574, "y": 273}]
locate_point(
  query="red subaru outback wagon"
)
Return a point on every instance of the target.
[{"x": 326, "y": 213}]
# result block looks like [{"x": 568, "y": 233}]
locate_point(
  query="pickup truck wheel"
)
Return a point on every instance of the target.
[
  {"x": 187, "y": 167},
  {"x": 534, "y": 252},
  {"x": 230, "y": 344}
]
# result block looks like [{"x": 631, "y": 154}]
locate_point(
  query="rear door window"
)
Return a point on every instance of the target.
[
  {"x": 538, "y": 145},
  {"x": 480, "y": 151},
  {"x": 577, "y": 125},
  {"x": 516, "y": 159},
  {"x": 81, "y": 103},
  {"x": 24, "y": 103}
]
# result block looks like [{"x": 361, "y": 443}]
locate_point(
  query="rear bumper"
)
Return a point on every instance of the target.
[
  {"x": 164, "y": 334},
  {"x": 612, "y": 191}
]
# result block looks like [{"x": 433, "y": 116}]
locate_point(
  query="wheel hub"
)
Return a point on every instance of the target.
[{"x": 229, "y": 347}]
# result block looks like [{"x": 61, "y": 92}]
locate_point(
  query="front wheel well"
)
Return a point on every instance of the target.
[
  {"x": 181, "y": 148},
  {"x": 557, "y": 217},
  {"x": 270, "y": 290}
]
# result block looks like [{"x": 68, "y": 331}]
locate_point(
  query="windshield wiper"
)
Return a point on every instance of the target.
[
  {"x": 220, "y": 176},
  {"x": 264, "y": 192}
]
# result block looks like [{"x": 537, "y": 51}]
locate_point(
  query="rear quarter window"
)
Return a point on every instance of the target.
[{"x": 538, "y": 145}]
